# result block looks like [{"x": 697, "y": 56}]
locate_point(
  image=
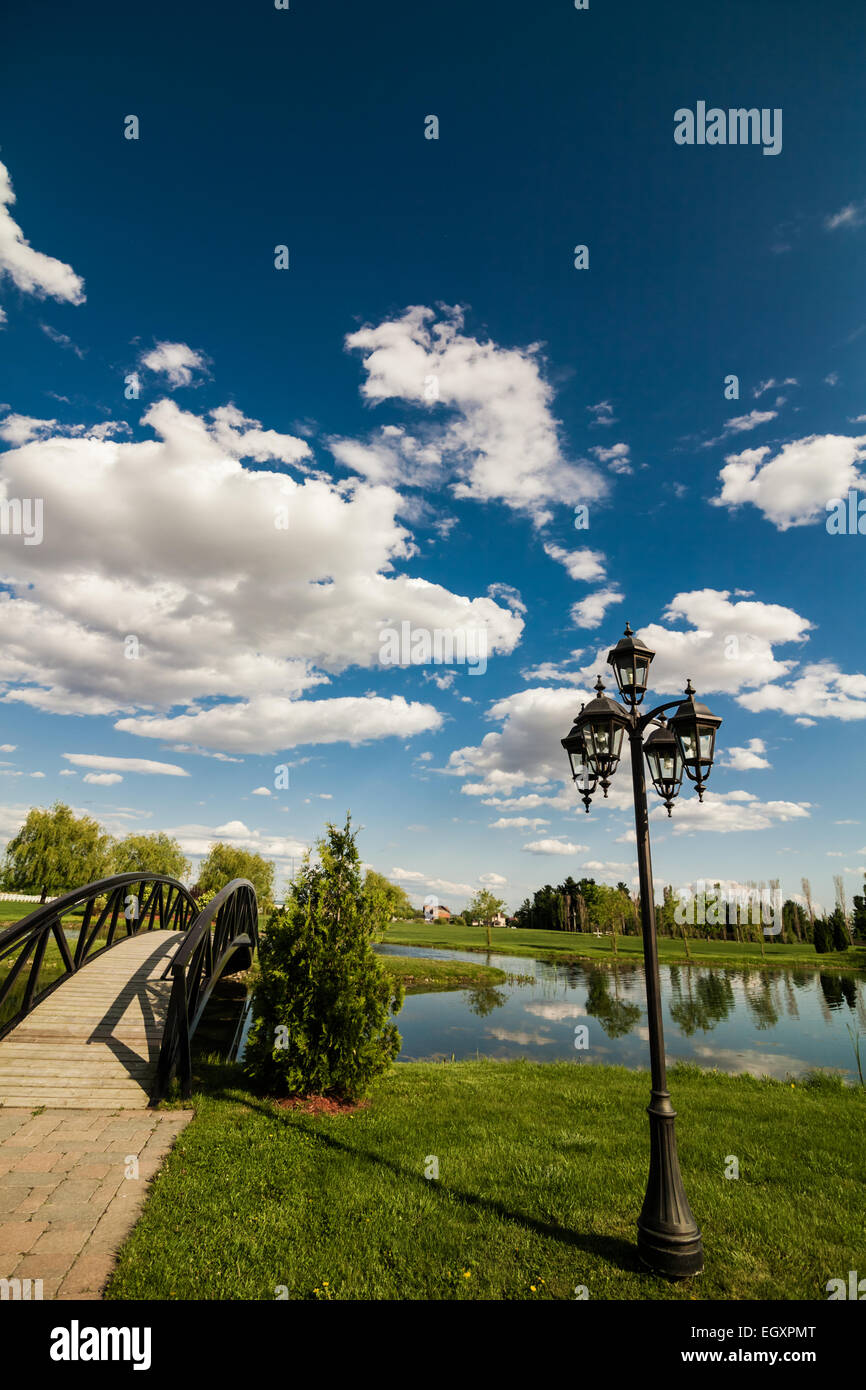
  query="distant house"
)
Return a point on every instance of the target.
[
  {"x": 498, "y": 920},
  {"x": 436, "y": 913}
]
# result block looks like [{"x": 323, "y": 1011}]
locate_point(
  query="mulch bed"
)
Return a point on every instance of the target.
[{"x": 321, "y": 1105}]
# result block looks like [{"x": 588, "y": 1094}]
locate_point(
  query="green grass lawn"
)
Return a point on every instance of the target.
[
  {"x": 425, "y": 976},
  {"x": 556, "y": 945},
  {"x": 542, "y": 1169}
]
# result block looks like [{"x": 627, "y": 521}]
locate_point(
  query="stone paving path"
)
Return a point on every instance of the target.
[{"x": 68, "y": 1197}]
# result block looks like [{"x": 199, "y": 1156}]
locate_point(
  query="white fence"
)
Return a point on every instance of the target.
[{"x": 24, "y": 898}]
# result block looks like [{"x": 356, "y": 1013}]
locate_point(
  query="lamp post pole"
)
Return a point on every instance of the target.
[{"x": 669, "y": 1239}]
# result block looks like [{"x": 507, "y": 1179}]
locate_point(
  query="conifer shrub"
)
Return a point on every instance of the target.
[{"x": 322, "y": 1002}]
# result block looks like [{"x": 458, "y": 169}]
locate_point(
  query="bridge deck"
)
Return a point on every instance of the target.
[{"x": 93, "y": 1044}]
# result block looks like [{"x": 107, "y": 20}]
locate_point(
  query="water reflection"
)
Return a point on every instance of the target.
[{"x": 778, "y": 1022}]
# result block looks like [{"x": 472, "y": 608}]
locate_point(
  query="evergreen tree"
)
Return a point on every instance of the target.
[
  {"x": 822, "y": 936},
  {"x": 839, "y": 934},
  {"x": 321, "y": 1006}
]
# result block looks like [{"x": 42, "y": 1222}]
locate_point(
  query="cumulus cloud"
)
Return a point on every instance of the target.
[
  {"x": 820, "y": 691},
  {"x": 268, "y": 724},
  {"x": 415, "y": 877},
  {"x": 176, "y": 361},
  {"x": 103, "y": 779},
  {"x": 526, "y": 750},
  {"x": 196, "y": 840},
  {"x": 616, "y": 457},
  {"x": 590, "y": 611},
  {"x": 723, "y": 813},
  {"x": 727, "y": 646},
  {"x": 582, "y": 563},
  {"x": 20, "y": 429},
  {"x": 186, "y": 555},
  {"x": 500, "y": 437},
  {"x": 554, "y": 846},
  {"x": 32, "y": 271},
  {"x": 746, "y": 759},
  {"x": 793, "y": 486}
]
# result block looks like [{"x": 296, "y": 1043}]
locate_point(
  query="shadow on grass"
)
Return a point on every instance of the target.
[{"x": 615, "y": 1251}]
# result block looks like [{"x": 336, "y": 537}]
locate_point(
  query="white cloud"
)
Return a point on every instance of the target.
[
  {"x": 727, "y": 647},
  {"x": 793, "y": 487},
  {"x": 518, "y": 823},
  {"x": 176, "y": 361},
  {"x": 197, "y": 839},
  {"x": 492, "y": 880},
  {"x": 8, "y": 747},
  {"x": 442, "y": 885},
  {"x": 611, "y": 868},
  {"x": 740, "y": 423},
  {"x": 526, "y": 750},
  {"x": 20, "y": 429},
  {"x": 820, "y": 690},
  {"x": 111, "y": 764},
  {"x": 616, "y": 457},
  {"x": 271, "y": 723},
  {"x": 501, "y": 437},
  {"x": 32, "y": 271},
  {"x": 62, "y": 339},
  {"x": 590, "y": 611},
  {"x": 261, "y": 791},
  {"x": 602, "y": 413},
  {"x": 103, "y": 779},
  {"x": 746, "y": 759},
  {"x": 852, "y": 215},
  {"x": 183, "y": 553},
  {"x": 554, "y": 846},
  {"x": 550, "y": 671},
  {"x": 581, "y": 564},
  {"x": 723, "y": 813},
  {"x": 771, "y": 384}
]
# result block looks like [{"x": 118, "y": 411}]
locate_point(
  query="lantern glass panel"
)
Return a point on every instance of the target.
[
  {"x": 707, "y": 738},
  {"x": 689, "y": 741}
]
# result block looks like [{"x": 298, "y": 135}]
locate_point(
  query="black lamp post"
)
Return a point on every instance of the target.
[{"x": 669, "y": 1239}]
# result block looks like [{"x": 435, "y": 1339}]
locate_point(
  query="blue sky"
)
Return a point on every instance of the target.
[{"x": 430, "y": 390}]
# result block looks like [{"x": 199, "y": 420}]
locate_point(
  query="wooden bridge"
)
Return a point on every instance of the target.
[{"x": 101, "y": 990}]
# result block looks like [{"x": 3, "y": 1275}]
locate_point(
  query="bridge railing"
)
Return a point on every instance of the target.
[
  {"x": 42, "y": 950},
  {"x": 222, "y": 939}
]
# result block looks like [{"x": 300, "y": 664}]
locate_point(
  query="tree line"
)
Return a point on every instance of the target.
[
  {"x": 56, "y": 850},
  {"x": 584, "y": 905}
]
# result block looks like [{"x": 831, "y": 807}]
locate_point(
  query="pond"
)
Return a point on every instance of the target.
[{"x": 769, "y": 1022}]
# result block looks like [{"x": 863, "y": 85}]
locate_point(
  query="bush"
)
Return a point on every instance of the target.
[
  {"x": 322, "y": 1002},
  {"x": 823, "y": 936}
]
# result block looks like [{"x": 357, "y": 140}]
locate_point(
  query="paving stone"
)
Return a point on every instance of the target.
[
  {"x": 89, "y": 1274},
  {"x": 19, "y": 1237},
  {"x": 43, "y": 1265},
  {"x": 62, "y": 1240},
  {"x": 35, "y": 1162},
  {"x": 94, "y": 1170}
]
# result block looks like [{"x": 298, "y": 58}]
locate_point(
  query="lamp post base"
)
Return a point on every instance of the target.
[{"x": 669, "y": 1238}]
